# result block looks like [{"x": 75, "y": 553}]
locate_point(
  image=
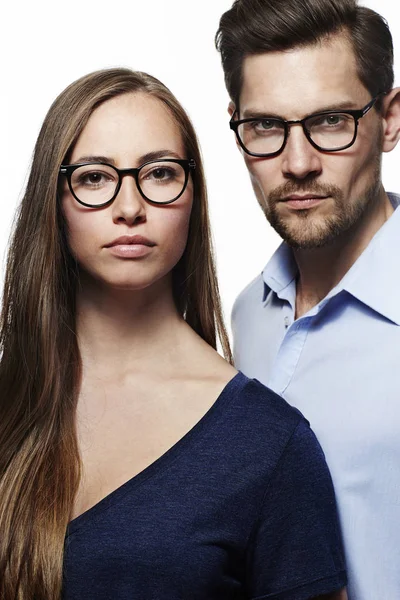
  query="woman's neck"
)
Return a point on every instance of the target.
[{"x": 119, "y": 328}]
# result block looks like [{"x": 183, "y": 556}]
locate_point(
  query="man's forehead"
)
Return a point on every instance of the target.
[{"x": 307, "y": 78}]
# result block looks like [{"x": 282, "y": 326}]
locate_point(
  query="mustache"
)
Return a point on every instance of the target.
[{"x": 304, "y": 186}]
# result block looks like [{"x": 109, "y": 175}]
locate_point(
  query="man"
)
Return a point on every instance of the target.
[{"x": 313, "y": 108}]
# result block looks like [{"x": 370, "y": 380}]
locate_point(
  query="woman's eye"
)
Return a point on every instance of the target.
[
  {"x": 161, "y": 174},
  {"x": 94, "y": 178}
]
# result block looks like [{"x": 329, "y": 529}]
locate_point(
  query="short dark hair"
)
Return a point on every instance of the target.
[{"x": 257, "y": 26}]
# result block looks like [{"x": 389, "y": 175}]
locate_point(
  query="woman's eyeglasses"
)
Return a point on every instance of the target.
[{"x": 159, "y": 181}]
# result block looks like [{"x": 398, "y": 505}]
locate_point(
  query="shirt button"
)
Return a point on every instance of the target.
[{"x": 286, "y": 320}]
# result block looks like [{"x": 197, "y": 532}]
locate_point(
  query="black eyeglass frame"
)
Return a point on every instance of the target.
[
  {"x": 187, "y": 164},
  {"x": 356, "y": 114}
]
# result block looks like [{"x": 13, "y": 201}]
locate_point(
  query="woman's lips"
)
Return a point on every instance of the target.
[
  {"x": 133, "y": 246},
  {"x": 130, "y": 250}
]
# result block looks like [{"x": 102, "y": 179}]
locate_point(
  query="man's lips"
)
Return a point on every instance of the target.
[
  {"x": 303, "y": 201},
  {"x": 304, "y": 197}
]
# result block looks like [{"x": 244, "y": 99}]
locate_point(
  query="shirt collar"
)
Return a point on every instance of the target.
[
  {"x": 374, "y": 277},
  {"x": 280, "y": 272},
  {"x": 371, "y": 279}
]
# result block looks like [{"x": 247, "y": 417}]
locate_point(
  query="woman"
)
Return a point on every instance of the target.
[{"x": 135, "y": 461}]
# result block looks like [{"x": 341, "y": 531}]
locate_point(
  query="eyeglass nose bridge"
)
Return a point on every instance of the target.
[
  {"x": 134, "y": 172},
  {"x": 302, "y": 122}
]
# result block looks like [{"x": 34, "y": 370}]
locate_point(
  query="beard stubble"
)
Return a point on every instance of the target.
[{"x": 307, "y": 232}]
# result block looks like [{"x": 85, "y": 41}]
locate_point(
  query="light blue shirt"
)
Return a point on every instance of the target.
[{"x": 339, "y": 364}]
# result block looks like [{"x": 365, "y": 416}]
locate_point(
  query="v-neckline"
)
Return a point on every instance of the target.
[{"x": 226, "y": 394}]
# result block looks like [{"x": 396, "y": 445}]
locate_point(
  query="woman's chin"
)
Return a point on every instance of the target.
[{"x": 95, "y": 283}]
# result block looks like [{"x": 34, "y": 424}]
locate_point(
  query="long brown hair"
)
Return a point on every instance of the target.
[
  {"x": 258, "y": 26},
  {"x": 40, "y": 366}
]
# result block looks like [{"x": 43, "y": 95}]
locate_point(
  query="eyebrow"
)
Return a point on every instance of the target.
[
  {"x": 258, "y": 114},
  {"x": 154, "y": 155}
]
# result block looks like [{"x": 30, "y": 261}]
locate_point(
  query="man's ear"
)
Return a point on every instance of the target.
[
  {"x": 391, "y": 119},
  {"x": 231, "y": 108},
  {"x": 231, "y": 111}
]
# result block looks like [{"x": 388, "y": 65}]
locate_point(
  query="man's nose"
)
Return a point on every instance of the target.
[{"x": 300, "y": 158}]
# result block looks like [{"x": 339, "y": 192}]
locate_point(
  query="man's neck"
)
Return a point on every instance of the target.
[{"x": 321, "y": 269}]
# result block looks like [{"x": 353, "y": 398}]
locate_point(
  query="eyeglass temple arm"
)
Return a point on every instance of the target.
[{"x": 371, "y": 104}]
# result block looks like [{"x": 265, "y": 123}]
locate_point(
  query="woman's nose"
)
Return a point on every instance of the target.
[{"x": 129, "y": 205}]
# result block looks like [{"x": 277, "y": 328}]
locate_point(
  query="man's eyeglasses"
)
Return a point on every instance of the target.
[
  {"x": 328, "y": 131},
  {"x": 159, "y": 181}
]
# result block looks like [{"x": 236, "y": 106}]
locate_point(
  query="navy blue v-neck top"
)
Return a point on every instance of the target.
[{"x": 242, "y": 507}]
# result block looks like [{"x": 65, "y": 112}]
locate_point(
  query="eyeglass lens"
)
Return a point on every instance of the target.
[
  {"x": 97, "y": 184},
  {"x": 267, "y": 136}
]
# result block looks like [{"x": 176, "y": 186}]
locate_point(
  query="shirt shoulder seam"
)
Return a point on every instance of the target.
[
  {"x": 342, "y": 572},
  {"x": 301, "y": 420}
]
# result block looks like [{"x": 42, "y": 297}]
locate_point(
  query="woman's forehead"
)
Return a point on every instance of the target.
[{"x": 127, "y": 126}]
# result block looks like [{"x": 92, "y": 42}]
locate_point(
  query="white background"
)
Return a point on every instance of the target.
[{"x": 45, "y": 46}]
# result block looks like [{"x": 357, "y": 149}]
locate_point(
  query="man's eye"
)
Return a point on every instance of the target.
[
  {"x": 268, "y": 125},
  {"x": 261, "y": 126},
  {"x": 265, "y": 124},
  {"x": 332, "y": 120}
]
